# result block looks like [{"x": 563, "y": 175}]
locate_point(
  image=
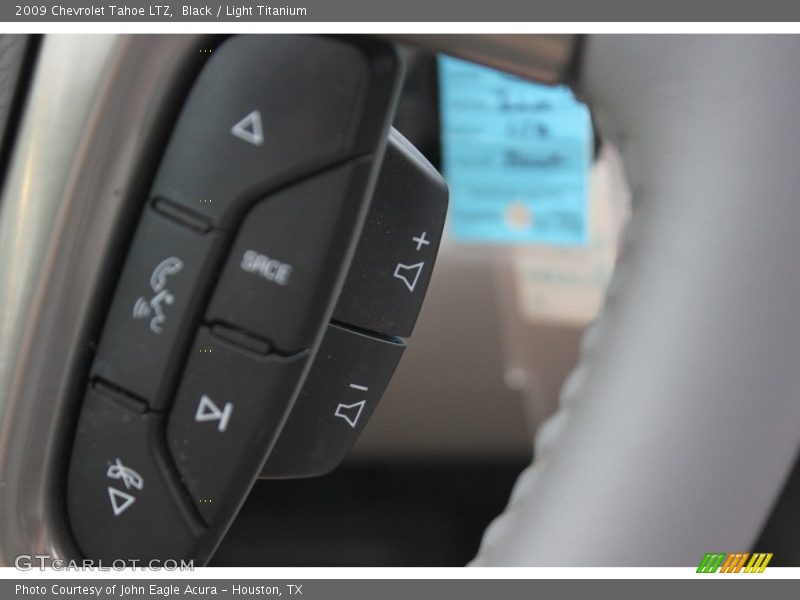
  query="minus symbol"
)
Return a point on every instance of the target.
[{"x": 363, "y": 388}]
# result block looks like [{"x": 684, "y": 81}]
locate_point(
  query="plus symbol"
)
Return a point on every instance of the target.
[{"x": 421, "y": 241}]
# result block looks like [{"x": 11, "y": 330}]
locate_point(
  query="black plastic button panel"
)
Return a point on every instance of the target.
[
  {"x": 232, "y": 400},
  {"x": 121, "y": 487},
  {"x": 269, "y": 110},
  {"x": 228, "y": 286},
  {"x": 350, "y": 373},
  {"x": 381, "y": 299},
  {"x": 159, "y": 297},
  {"x": 277, "y": 280},
  {"x": 390, "y": 272}
]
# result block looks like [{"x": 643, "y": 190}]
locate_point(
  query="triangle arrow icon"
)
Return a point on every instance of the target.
[
  {"x": 208, "y": 411},
  {"x": 120, "y": 501},
  {"x": 249, "y": 129}
]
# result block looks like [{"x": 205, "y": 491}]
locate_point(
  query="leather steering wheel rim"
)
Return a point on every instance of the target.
[{"x": 681, "y": 422}]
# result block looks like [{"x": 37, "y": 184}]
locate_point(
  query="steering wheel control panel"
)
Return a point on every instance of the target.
[{"x": 281, "y": 258}]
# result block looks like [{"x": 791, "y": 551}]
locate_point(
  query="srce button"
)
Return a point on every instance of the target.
[{"x": 287, "y": 257}]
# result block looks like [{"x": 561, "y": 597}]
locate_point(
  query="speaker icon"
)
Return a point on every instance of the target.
[
  {"x": 408, "y": 274},
  {"x": 351, "y": 413}
]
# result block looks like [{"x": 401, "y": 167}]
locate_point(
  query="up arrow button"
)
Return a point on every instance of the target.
[
  {"x": 267, "y": 110},
  {"x": 249, "y": 129}
]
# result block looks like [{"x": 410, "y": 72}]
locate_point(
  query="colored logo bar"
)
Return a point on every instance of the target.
[{"x": 736, "y": 562}]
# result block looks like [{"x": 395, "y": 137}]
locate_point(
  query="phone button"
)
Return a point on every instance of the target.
[{"x": 154, "y": 308}]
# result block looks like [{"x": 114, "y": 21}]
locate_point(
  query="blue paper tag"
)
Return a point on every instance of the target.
[{"x": 516, "y": 156}]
